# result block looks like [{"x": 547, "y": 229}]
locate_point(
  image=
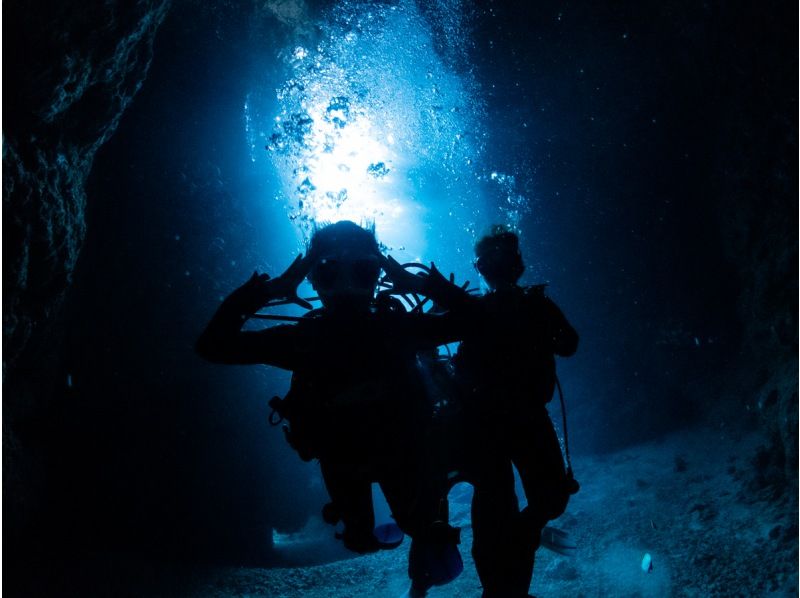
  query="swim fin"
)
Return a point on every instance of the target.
[{"x": 389, "y": 535}]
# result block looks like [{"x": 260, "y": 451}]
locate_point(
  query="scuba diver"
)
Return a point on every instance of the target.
[
  {"x": 357, "y": 402},
  {"x": 505, "y": 368}
]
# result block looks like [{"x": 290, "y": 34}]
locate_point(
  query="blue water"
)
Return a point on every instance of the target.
[{"x": 369, "y": 122}]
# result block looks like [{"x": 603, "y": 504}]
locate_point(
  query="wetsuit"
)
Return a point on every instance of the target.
[
  {"x": 359, "y": 407},
  {"x": 505, "y": 368}
]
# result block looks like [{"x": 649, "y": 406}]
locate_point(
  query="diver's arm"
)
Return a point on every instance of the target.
[
  {"x": 563, "y": 335},
  {"x": 428, "y": 330},
  {"x": 219, "y": 342},
  {"x": 223, "y": 340},
  {"x": 446, "y": 293}
]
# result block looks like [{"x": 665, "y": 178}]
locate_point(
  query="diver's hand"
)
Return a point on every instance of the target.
[
  {"x": 446, "y": 294},
  {"x": 437, "y": 280},
  {"x": 260, "y": 289},
  {"x": 252, "y": 295},
  {"x": 402, "y": 280},
  {"x": 286, "y": 284}
]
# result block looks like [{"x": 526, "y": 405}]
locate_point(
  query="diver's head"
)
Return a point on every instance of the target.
[
  {"x": 498, "y": 258},
  {"x": 346, "y": 264}
]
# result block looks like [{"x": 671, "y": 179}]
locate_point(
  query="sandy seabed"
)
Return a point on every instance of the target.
[{"x": 688, "y": 500}]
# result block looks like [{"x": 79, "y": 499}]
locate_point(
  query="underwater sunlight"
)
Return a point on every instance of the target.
[{"x": 374, "y": 125}]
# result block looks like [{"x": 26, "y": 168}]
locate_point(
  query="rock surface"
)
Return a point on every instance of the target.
[
  {"x": 71, "y": 71},
  {"x": 75, "y": 69},
  {"x": 756, "y": 183}
]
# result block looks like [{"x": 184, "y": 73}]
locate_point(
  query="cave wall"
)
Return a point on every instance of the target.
[
  {"x": 70, "y": 70},
  {"x": 756, "y": 185}
]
